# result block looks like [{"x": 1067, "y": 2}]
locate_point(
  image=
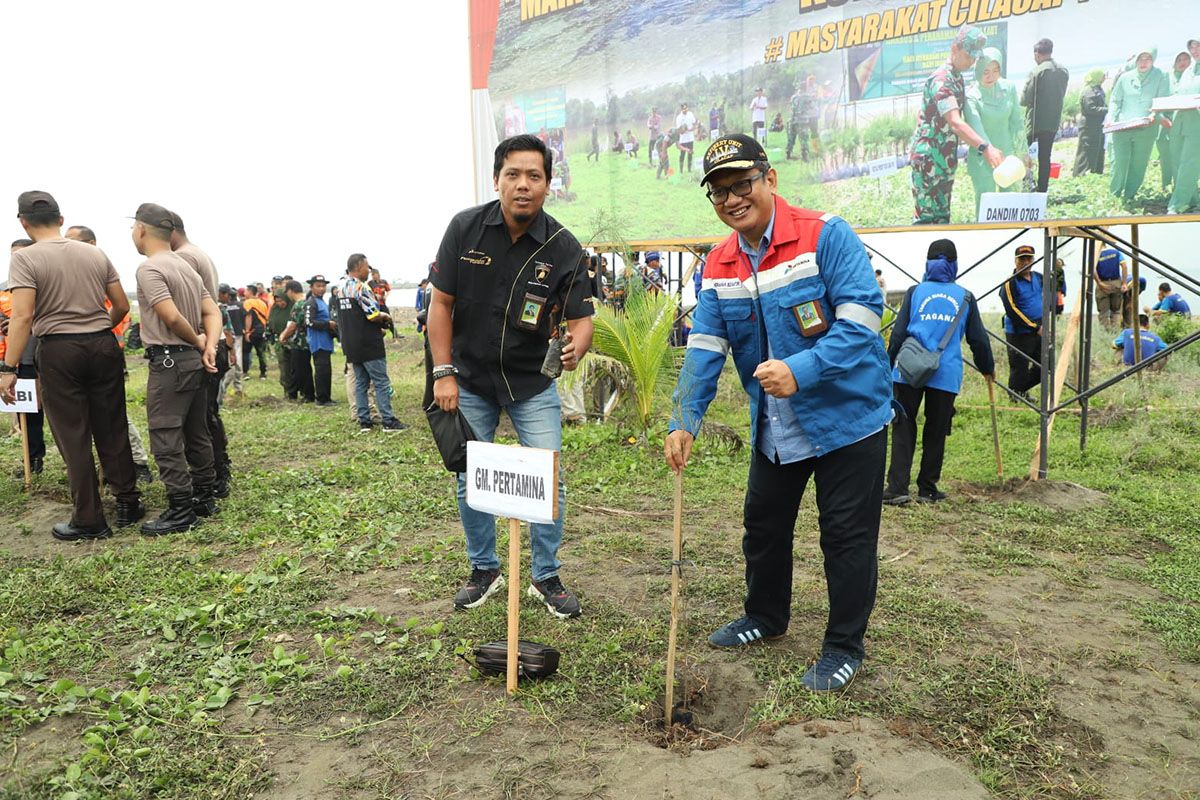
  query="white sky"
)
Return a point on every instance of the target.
[{"x": 287, "y": 134}]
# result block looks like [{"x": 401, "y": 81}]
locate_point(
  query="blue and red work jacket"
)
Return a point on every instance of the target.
[{"x": 816, "y": 303}]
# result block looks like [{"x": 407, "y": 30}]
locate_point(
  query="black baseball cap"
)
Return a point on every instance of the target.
[
  {"x": 155, "y": 216},
  {"x": 942, "y": 248},
  {"x": 1024, "y": 250},
  {"x": 177, "y": 221},
  {"x": 276, "y": 277},
  {"x": 36, "y": 202},
  {"x": 317, "y": 279},
  {"x": 738, "y": 151},
  {"x": 224, "y": 288}
]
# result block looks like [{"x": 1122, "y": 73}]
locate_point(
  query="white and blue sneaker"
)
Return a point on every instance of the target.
[
  {"x": 833, "y": 671},
  {"x": 742, "y": 631}
]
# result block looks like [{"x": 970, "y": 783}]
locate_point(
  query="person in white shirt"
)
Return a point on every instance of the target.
[
  {"x": 685, "y": 123},
  {"x": 758, "y": 116}
]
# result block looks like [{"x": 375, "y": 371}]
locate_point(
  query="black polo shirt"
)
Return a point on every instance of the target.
[{"x": 489, "y": 274}]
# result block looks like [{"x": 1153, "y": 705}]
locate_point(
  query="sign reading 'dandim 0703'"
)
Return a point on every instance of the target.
[
  {"x": 512, "y": 481},
  {"x": 26, "y": 398},
  {"x": 1012, "y": 207}
]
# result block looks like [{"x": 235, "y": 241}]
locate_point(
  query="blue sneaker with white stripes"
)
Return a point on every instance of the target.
[
  {"x": 742, "y": 631},
  {"x": 833, "y": 671}
]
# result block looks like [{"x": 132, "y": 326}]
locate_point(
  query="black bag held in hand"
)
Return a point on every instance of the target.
[
  {"x": 534, "y": 660},
  {"x": 450, "y": 430},
  {"x": 916, "y": 364}
]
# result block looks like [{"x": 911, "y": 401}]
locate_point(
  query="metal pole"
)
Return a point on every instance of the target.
[
  {"x": 1134, "y": 297},
  {"x": 1085, "y": 353},
  {"x": 1136, "y": 368},
  {"x": 1047, "y": 358},
  {"x": 1165, "y": 269}
]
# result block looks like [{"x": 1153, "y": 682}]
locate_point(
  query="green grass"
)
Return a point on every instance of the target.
[{"x": 316, "y": 606}]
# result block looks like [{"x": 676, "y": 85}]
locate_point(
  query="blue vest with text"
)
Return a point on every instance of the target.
[{"x": 932, "y": 311}]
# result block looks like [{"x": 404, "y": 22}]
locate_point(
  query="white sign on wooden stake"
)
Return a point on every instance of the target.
[
  {"x": 27, "y": 399},
  {"x": 512, "y": 481}
]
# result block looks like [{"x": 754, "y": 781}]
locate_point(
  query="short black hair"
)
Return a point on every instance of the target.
[
  {"x": 252, "y": 288},
  {"x": 43, "y": 219},
  {"x": 87, "y": 233},
  {"x": 518, "y": 144},
  {"x": 1143, "y": 320},
  {"x": 293, "y": 286},
  {"x": 878, "y": 272},
  {"x": 1164, "y": 287},
  {"x": 21, "y": 243},
  {"x": 1044, "y": 47},
  {"x": 354, "y": 260}
]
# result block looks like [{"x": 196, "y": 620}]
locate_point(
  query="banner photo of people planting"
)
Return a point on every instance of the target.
[{"x": 885, "y": 112}]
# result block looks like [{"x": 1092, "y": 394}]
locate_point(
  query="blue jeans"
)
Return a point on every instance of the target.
[
  {"x": 373, "y": 372},
  {"x": 538, "y": 424}
]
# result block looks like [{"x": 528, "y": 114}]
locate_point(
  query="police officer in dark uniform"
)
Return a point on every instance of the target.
[
  {"x": 509, "y": 278},
  {"x": 180, "y": 326}
]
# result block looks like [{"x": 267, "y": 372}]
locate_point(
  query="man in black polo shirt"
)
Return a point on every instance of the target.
[{"x": 508, "y": 277}]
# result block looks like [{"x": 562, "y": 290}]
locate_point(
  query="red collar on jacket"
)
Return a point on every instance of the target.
[{"x": 791, "y": 225}]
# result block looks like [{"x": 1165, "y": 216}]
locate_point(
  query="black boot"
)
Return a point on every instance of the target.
[
  {"x": 202, "y": 500},
  {"x": 221, "y": 487},
  {"x": 35, "y": 468},
  {"x": 129, "y": 512},
  {"x": 179, "y": 516},
  {"x": 67, "y": 532}
]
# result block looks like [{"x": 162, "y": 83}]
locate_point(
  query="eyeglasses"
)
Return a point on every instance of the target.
[{"x": 740, "y": 188}]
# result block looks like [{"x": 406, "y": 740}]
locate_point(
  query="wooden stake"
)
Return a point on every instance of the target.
[
  {"x": 514, "y": 601},
  {"x": 25, "y": 452},
  {"x": 995, "y": 430},
  {"x": 1060, "y": 378},
  {"x": 676, "y": 557}
]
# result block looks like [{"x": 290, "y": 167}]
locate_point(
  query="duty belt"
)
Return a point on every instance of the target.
[{"x": 164, "y": 350}]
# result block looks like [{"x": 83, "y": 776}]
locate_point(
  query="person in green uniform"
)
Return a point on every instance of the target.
[
  {"x": 277, "y": 320},
  {"x": 934, "y": 150},
  {"x": 994, "y": 110},
  {"x": 294, "y": 342},
  {"x": 1166, "y": 147},
  {"x": 1185, "y": 140},
  {"x": 1093, "y": 105},
  {"x": 1131, "y": 99}
]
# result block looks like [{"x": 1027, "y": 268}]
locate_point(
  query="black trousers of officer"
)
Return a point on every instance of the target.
[
  {"x": 939, "y": 411},
  {"x": 299, "y": 373},
  {"x": 1024, "y": 374},
  {"x": 176, "y": 413},
  {"x": 216, "y": 426},
  {"x": 849, "y": 484},
  {"x": 83, "y": 393},
  {"x": 322, "y": 375}
]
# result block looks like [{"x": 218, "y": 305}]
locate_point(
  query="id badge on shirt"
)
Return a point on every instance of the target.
[
  {"x": 811, "y": 318},
  {"x": 536, "y": 295}
]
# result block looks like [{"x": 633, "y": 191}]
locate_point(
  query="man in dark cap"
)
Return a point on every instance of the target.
[
  {"x": 199, "y": 261},
  {"x": 360, "y": 325},
  {"x": 277, "y": 322},
  {"x": 1022, "y": 299},
  {"x": 937, "y": 313},
  {"x": 792, "y": 296},
  {"x": 294, "y": 342},
  {"x": 180, "y": 327},
  {"x": 321, "y": 330},
  {"x": 58, "y": 289}
]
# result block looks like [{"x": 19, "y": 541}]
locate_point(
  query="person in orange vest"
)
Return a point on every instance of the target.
[{"x": 254, "y": 338}]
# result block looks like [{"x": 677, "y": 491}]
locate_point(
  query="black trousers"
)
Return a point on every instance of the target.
[
  {"x": 34, "y": 423},
  {"x": 322, "y": 375},
  {"x": 939, "y": 411},
  {"x": 216, "y": 426},
  {"x": 1023, "y": 375},
  {"x": 301, "y": 376},
  {"x": 254, "y": 345},
  {"x": 83, "y": 393},
  {"x": 849, "y": 485},
  {"x": 1045, "y": 141}
]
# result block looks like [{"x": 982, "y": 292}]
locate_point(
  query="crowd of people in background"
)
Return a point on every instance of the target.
[{"x": 65, "y": 322}]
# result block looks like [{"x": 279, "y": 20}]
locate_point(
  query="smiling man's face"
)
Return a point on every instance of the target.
[
  {"x": 522, "y": 185},
  {"x": 751, "y": 214}
]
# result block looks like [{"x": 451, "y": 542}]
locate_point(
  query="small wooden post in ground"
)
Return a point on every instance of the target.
[
  {"x": 514, "y": 601},
  {"x": 25, "y": 452},
  {"x": 995, "y": 430},
  {"x": 676, "y": 567}
]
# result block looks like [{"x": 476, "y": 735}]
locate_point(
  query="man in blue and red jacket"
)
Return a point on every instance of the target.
[
  {"x": 792, "y": 296},
  {"x": 1022, "y": 298}
]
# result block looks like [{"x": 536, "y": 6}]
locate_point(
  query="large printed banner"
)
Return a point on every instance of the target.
[{"x": 871, "y": 109}]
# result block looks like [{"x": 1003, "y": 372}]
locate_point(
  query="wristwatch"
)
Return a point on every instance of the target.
[
  {"x": 982, "y": 148},
  {"x": 5, "y": 369}
]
